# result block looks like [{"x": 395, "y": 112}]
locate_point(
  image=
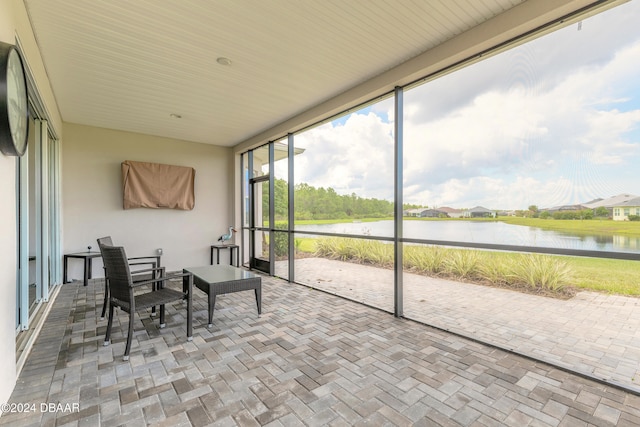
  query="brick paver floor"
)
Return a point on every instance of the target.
[
  {"x": 592, "y": 333},
  {"x": 311, "y": 359}
]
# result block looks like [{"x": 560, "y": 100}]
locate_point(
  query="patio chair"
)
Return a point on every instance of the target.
[
  {"x": 122, "y": 295},
  {"x": 150, "y": 261}
]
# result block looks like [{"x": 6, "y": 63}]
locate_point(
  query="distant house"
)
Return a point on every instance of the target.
[
  {"x": 566, "y": 208},
  {"x": 423, "y": 213},
  {"x": 451, "y": 212},
  {"x": 432, "y": 213},
  {"x": 480, "y": 212},
  {"x": 414, "y": 212},
  {"x": 595, "y": 203},
  {"x": 622, "y": 210},
  {"x": 610, "y": 202}
]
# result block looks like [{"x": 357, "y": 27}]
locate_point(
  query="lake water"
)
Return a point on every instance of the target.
[{"x": 484, "y": 232}]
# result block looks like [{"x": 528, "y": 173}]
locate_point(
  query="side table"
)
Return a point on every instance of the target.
[
  {"x": 232, "y": 249},
  {"x": 87, "y": 257},
  {"x": 223, "y": 279}
]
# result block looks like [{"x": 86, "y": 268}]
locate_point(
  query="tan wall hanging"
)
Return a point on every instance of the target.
[{"x": 154, "y": 185}]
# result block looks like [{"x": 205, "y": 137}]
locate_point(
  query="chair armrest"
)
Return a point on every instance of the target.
[
  {"x": 154, "y": 257},
  {"x": 149, "y": 282},
  {"x": 149, "y": 270},
  {"x": 153, "y": 264},
  {"x": 160, "y": 280}
]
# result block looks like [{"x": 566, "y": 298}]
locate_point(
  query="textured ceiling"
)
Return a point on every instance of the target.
[{"x": 130, "y": 65}]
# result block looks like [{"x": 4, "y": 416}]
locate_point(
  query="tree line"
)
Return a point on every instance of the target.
[
  {"x": 320, "y": 203},
  {"x": 313, "y": 203}
]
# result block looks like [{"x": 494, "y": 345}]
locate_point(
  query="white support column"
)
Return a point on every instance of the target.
[
  {"x": 23, "y": 243},
  {"x": 54, "y": 213},
  {"x": 42, "y": 211}
]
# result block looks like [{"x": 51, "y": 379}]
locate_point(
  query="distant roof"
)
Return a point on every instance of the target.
[
  {"x": 593, "y": 201},
  {"x": 447, "y": 209},
  {"x": 568, "y": 208},
  {"x": 611, "y": 201},
  {"x": 632, "y": 202},
  {"x": 480, "y": 209}
]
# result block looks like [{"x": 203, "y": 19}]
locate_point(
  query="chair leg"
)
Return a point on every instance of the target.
[
  {"x": 155, "y": 287},
  {"x": 107, "y": 335},
  {"x": 162, "y": 324},
  {"x": 129, "y": 336},
  {"x": 106, "y": 298}
]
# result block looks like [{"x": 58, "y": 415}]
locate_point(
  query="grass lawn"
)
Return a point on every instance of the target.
[
  {"x": 606, "y": 275},
  {"x": 596, "y": 274},
  {"x": 589, "y": 226}
]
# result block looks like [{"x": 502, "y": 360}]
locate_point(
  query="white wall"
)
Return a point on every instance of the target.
[
  {"x": 92, "y": 197},
  {"x": 8, "y": 253},
  {"x": 7, "y": 275}
]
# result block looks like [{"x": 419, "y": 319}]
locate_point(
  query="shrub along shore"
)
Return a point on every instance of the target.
[{"x": 543, "y": 274}]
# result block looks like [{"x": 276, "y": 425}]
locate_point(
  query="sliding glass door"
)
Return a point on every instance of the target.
[{"x": 38, "y": 224}]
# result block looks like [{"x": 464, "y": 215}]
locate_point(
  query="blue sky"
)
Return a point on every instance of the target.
[{"x": 554, "y": 121}]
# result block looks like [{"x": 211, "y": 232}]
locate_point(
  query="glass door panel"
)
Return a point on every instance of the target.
[{"x": 260, "y": 241}]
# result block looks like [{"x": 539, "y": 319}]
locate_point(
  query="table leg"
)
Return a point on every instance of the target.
[
  {"x": 211, "y": 257},
  {"x": 86, "y": 271},
  {"x": 211, "y": 300},
  {"x": 64, "y": 278},
  {"x": 190, "y": 308}
]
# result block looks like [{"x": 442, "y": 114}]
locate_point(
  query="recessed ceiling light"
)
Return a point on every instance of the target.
[
  {"x": 175, "y": 116},
  {"x": 223, "y": 61}
]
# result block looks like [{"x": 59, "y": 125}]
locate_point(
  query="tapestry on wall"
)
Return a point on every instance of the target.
[{"x": 154, "y": 185}]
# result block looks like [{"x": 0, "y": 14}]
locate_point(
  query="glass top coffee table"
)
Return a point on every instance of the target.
[{"x": 225, "y": 279}]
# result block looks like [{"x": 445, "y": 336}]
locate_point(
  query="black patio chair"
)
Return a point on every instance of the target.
[
  {"x": 150, "y": 261},
  {"x": 122, "y": 295}
]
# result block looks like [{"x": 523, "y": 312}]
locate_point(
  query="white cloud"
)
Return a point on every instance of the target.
[
  {"x": 354, "y": 157},
  {"x": 512, "y": 131},
  {"x": 496, "y": 193},
  {"x": 555, "y": 121}
]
